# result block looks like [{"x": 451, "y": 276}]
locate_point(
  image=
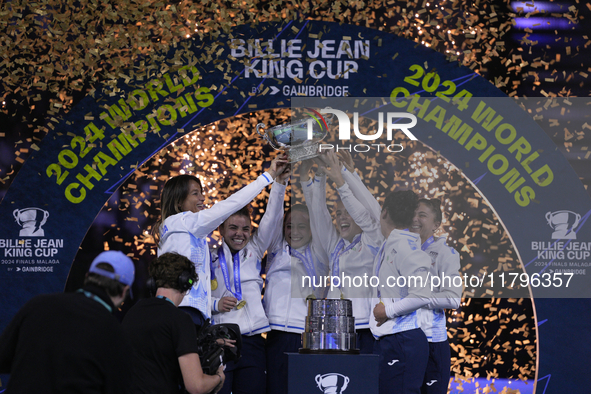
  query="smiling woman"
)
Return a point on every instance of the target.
[
  {"x": 184, "y": 227},
  {"x": 236, "y": 230},
  {"x": 296, "y": 227},
  {"x": 194, "y": 200},
  {"x": 427, "y": 218}
]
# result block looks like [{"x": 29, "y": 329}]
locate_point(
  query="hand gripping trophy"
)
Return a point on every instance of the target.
[{"x": 301, "y": 139}]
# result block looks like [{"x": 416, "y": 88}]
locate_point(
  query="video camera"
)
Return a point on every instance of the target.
[{"x": 211, "y": 353}]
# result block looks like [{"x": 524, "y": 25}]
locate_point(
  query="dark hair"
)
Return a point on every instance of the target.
[
  {"x": 296, "y": 207},
  {"x": 168, "y": 267},
  {"x": 435, "y": 205},
  {"x": 400, "y": 207},
  {"x": 174, "y": 192},
  {"x": 244, "y": 211},
  {"x": 112, "y": 287}
]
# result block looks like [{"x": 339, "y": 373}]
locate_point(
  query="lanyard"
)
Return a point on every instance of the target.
[
  {"x": 96, "y": 298},
  {"x": 338, "y": 251},
  {"x": 427, "y": 243},
  {"x": 307, "y": 260},
  {"x": 165, "y": 298},
  {"x": 212, "y": 271},
  {"x": 236, "y": 261}
]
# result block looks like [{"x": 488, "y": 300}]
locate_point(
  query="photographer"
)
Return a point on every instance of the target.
[
  {"x": 163, "y": 337},
  {"x": 72, "y": 343}
]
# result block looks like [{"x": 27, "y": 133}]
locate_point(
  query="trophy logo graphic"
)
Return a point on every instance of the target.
[
  {"x": 563, "y": 223},
  {"x": 332, "y": 383},
  {"x": 300, "y": 139},
  {"x": 31, "y": 220}
]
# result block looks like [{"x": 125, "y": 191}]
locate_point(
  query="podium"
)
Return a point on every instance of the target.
[{"x": 332, "y": 373}]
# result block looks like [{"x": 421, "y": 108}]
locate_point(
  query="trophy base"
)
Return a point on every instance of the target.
[
  {"x": 341, "y": 341},
  {"x": 328, "y": 351}
]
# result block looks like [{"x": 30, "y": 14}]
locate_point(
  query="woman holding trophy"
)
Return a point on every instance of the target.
[
  {"x": 185, "y": 225},
  {"x": 237, "y": 284},
  {"x": 294, "y": 253},
  {"x": 353, "y": 247}
]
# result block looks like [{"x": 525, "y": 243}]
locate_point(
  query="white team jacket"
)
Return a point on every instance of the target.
[
  {"x": 186, "y": 233},
  {"x": 446, "y": 266},
  {"x": 251, "y": 318},
  {"x": 401, "y": 257},
  {"x": 285, "y": 296},
  {"x": 349, "y": 261}
]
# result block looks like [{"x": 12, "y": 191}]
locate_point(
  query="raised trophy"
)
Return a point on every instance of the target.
[
  {"x": 564, "y": 224},
  {"x": 301, "y": 139}
]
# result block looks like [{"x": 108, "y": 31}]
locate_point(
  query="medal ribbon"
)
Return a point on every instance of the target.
[
  {"x": 236, "y": 261},
  {"x": 427, "y": 243},
  {"x": 338, "y": 251},
  {"x": 307, "y": 260},
  {"x": 211, "y": 270}
]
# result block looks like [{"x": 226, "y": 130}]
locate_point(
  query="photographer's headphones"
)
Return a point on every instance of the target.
[{"x": 185, "y": 282}]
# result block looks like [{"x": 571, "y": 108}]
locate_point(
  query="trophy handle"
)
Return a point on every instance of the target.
[
  {"x": 548, "y": 214},
  {"x": 329, "y": 117},
  {"x": 259, "y": 126},
  {"x": 265, "y": 136},
  {"x": 346, "y": 383},
  {"x": 16, "y": 215},
  {"x": 578, "y": 218},
  {"x": 318, "y": 379},
  {"x": 45, "y": 216}
]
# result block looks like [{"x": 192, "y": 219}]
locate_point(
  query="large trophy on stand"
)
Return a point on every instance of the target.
[
  {"x": 301, "y": 139},
  {"x": 330, "y": 328}
]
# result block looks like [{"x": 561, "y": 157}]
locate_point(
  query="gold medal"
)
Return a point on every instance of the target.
[
  {"x": 241, "y": 304},
  {"x": 214, "y": 284},
  {"x": 311, "y": 297}
]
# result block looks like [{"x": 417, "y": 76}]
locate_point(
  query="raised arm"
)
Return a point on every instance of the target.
[
  {"x": 324, "y": 234},
  {"x": 270, "y": 231},
  {"x": 354, "y": 207},
  {"x": 360, "y": 191},
  {"x": 204, "y": 222}
]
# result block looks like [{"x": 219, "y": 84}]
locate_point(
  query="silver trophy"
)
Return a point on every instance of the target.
[
  {"x": 330, "y": 328},
  {"x": 564, "y": 224},
  {"x": 300, "y": 140}
]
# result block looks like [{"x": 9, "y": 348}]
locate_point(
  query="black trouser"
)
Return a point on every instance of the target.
[
  {"x": 248, "y": 375},
  {"x": 278, "y": 344}
]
